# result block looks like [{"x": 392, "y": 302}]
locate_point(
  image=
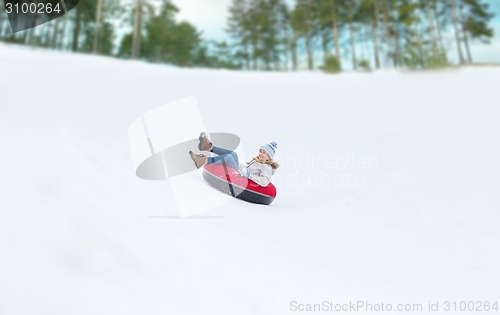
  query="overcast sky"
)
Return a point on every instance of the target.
[{"x": 210, "y": 16}]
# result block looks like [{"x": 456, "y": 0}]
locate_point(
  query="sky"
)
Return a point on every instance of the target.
[{"x": 210, "y": 16}]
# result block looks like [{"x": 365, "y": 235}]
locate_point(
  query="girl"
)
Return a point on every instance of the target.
[{"x": 259, "y": 169}]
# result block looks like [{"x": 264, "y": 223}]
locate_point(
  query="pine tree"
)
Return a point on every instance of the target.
[
  {"x": 454, "y": 15},
  {"x": 351, "y": 11},
  {"x": 336, "y": 30},
  {"x": 238, "y": 29},
  {"x": 436, "y": 13},
  {"x": 98, "y": 23},
  {"x": 1, "y": 23},
  {"x": 186, "y": 40},
  {"x": 84, "y": 17},
  {"x": 137, "y": 34},
  {"x": 368, "y": 14},
  {"x": 474, "y": 18},
  {"x": 160, "y": 34},
  {"x": 387, "y": 30}
]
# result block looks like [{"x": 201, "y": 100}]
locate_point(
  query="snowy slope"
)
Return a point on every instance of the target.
[{"x": 389, "y": 190}]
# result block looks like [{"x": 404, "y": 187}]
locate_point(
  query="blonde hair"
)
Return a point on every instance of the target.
[{"x": 269, "y": 162}]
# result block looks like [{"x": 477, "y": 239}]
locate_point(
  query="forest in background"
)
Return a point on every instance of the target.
[{"x": 271, "y": 35}]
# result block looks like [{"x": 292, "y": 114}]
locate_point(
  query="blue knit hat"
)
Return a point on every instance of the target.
[{"x": 270, "y": 148}]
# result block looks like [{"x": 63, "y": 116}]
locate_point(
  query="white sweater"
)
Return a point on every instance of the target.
[{"x": 259, "y": 172}]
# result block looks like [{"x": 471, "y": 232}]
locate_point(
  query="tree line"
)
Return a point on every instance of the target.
[
  {"x": 364, "y": 33},
  {"x": 272, "y": 35}
]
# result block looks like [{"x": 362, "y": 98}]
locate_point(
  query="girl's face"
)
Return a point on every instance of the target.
[{"x": 263, "y": 156}]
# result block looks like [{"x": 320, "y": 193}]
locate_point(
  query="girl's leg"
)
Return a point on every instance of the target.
[
  {"x": 230, "y": 160},
  {"x": 220, "y": 151}
]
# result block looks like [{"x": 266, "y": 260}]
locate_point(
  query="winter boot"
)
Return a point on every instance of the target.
[
  {"x": 205, "y": 144},
  {"x": 198, "y": 159}
]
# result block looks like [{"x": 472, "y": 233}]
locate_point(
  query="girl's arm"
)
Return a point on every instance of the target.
[{"x": 263, "y": 178}]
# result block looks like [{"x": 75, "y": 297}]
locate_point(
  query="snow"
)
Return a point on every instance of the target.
[{"x": 388, "y": 190}]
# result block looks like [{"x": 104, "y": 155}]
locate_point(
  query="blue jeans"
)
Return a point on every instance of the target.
[{"x": 230, "y": 158}]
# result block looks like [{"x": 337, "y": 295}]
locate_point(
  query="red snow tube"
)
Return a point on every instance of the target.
[{"x": 229, "y": 181}]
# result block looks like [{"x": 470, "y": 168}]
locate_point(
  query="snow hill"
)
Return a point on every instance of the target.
[{"x": 389, "y": 190}]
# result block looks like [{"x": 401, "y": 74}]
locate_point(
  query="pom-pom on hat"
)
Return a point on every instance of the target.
[{"x": 270, "y": 148}]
